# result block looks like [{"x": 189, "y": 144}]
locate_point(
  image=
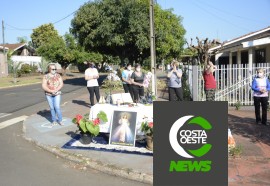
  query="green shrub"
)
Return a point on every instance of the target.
[
  {"x": 33, "y": 68},
  {"x": 25, "y": 69},
  {"x": 237, "y": 105}
]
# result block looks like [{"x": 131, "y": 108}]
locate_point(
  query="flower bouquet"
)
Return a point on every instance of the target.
[
  {"x": 147, "y": 128},
  {"x": 89, "y": 128}
]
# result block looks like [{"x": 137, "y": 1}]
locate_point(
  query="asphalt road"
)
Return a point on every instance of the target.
[
  {"x": 24, "y": 164},
  {"x": 26, "y": 100},
  {"x": 17, "y": 98}
]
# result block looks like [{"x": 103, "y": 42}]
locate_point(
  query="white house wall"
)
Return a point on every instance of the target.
[{"x": 31, "y": 60}]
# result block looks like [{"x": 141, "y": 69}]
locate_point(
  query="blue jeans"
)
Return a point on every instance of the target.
[{"x": 54, "y": 103}]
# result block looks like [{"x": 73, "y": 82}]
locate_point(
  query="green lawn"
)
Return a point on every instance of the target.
[{"x": 9, "y": 81}]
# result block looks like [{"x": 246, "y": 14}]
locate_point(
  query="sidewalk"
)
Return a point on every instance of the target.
[
  {"x": 130, "y": 166},
  {"x": 251, "y": 168}
]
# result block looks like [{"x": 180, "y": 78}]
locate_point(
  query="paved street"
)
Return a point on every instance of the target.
[
  {"x": 22, "y": 163},
  {"x": 26, "y": 100}
]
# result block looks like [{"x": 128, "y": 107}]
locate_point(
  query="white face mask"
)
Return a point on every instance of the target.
[
  {"x": 260, "y": 74},
  {"x": 138, "y": 69},
  {"x": 53, "y": 72},
  {"x": 129, "y": 68}
]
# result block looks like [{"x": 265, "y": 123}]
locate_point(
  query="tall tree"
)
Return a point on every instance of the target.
[
  {"x": 169, "y": 34},
  {"x": 121, "y": 28},
  {"x": 66, "y": 51},
  {"x": 43, "y": 34}
]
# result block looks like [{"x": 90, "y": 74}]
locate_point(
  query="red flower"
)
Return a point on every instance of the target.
[
  {"x": 150, "y": 124},
  {"x": 96, "y": 121},
  {"x": 78, "y": 118}
]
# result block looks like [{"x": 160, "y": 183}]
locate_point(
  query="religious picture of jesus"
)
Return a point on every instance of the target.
[{"x": 123, "y": 128}]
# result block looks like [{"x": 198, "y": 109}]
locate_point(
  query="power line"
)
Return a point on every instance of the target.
[
  {"x": 221, "y": 18},
  {"x": 16, "y": 28},
  {"x": 228, "y": 13},
  {"x": 64, "y": 17},
  {"x": 27, "y": 29}
]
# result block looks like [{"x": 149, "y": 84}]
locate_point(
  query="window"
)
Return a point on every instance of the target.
[{"x": 260, "y": 56}]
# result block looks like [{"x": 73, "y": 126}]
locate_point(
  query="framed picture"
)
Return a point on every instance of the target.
[{"x": 123, "y": 128}]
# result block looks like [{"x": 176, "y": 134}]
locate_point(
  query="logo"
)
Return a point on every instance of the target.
[{"x": 190, "y": 137}]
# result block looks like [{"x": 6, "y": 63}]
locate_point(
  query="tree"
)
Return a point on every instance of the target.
[
  {"x": 13, "y": 66},
  {"x": 120, "y": 28},
  {"x": 202, "y": 49},
  {"x": 169, "y": 34},
  {"x": 43, "y": 34},
  {"x": 22, "y": 39},
  {"x": 66, "y": 51}
]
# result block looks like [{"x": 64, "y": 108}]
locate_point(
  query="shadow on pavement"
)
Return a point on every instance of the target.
[
  {"x": 76, "y": 81},
  {"x": 72, "y": 134},
  {"x": 45, "y": 114},
  {"x": 248, "y": 128},
  {"x": 82, "y": 103},
  {"x": 80, "y": 81}
]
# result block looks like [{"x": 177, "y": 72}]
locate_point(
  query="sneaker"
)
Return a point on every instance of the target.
[{"x": 61, "y": 123}]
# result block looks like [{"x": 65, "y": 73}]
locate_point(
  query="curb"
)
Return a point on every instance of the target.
[{"x": 97, "y": 165}]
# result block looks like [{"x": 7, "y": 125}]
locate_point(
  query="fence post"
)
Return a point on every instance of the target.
[{"x": 195, "y": 83}]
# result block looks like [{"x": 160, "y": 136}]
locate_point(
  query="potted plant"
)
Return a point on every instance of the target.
[
  {"x": 147, "y": 128},
  {"x": 89, "y": 128}
]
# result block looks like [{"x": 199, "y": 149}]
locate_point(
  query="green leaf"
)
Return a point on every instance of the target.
[
  {"x": 92, "y": 128},
  {"x": 82, "y": 125},
  {"x": 102, "y": 116},
  {"x": 74, "y": 120}
]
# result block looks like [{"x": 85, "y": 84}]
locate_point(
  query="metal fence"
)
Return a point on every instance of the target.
[{"x": 233, "y": 82}]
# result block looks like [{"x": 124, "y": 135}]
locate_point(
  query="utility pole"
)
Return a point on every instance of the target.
[
  {"x": 4, "y": 49},
  {"x": 152, "y": 48}
]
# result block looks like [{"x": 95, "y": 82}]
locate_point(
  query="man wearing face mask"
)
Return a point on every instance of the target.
[
  {"x": 137, "y": 79},
  {"x": 209, "y": 81},
  {"x": 52, "y": 84},
  {"x": 126, "y": 75},
  {"x": 91, "y": 76},
  {"x": 260, "y": 86}
]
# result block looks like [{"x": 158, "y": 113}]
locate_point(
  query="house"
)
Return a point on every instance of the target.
[
  {"x": 20, "y": 49},
  {"x": 252, "y": 48},
  {"x": 3, "y": 63},
  {"x": 21, "y": 52}
]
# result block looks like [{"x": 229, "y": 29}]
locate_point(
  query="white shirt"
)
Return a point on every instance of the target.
[{"x": 91, "y": 72}]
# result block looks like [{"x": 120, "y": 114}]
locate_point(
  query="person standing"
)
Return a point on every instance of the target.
[
  {"x": 174, "y": 82},
  {"x": 209, "y": 81},
  {"x": 52, "y": 84},
  {"x": 126, "y": 78},
  {"x": 91, "y": 76},
  {"x": 137, "y": 78},
  {"x": 260, "y": 86}
]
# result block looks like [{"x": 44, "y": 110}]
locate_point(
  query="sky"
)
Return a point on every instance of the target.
[{"x": 213, "y": 19}]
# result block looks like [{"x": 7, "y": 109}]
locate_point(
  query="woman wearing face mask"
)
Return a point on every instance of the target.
[
  {"x": 52, "y": 84},
  {"x": 175, "y": 85},
  {"x": 260, "y": 86},
  {"x": 137, "y": 78},
  {"x": 126, "y": 75},
  {"x": 91, "y": 76}
]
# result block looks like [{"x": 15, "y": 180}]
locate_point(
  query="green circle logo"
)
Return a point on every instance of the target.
[{"x": 190, "y": 136}]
